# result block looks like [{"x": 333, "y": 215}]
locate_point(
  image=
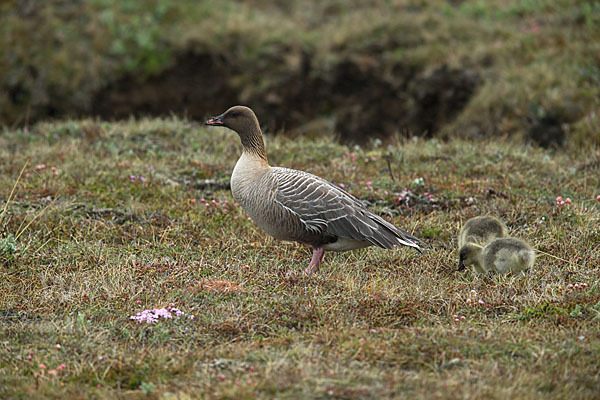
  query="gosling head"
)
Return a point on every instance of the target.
[{"x": 468, "y": 255}]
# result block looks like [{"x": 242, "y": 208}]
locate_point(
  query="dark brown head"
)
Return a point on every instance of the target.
[
  {"x": 468, "y": 255},
  {"x": 243, "y": 121}
]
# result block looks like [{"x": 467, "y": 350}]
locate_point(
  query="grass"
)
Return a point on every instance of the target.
[{"x": 89, "y": 244}]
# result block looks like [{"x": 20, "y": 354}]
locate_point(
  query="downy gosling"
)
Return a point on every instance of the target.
[
  {"x": 503, "y": 255},
  {"x": 482, "y": 230}
]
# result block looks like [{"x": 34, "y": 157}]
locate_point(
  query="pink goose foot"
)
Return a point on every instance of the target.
[{"x": 315, "y": 262}]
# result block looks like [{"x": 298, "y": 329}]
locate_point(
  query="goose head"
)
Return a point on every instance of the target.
[{"x": 243, "y": 121}]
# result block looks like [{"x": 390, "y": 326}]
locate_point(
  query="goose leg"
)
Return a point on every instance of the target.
[{"x": 315, "y": 262}]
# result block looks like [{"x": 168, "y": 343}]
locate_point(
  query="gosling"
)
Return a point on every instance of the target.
[
  {"x": 503, "y": 255},
  {"x": 482, "y": 230}
]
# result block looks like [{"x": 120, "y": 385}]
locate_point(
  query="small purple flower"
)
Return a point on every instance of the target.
[{"x": 134, "y": 178}]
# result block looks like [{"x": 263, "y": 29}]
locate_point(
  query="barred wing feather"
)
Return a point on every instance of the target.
[{"x": 328, "y": 210}]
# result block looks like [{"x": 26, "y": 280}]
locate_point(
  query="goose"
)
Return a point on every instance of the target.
[
  {"x": 481, "y": 230},
  {"x": 294, "y": 205},
  {"x": 502, "y": 255}
]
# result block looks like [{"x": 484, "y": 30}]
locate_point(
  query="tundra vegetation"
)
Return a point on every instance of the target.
[
  {"x": 110, "y": 220},
  {"x": 128, "y": 271}
]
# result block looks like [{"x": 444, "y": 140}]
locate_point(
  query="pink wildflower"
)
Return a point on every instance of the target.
[
  {"x": 150, "y": 316},
  {"x": 61, "y": 367},
  {"x": 58, "y": 346},
  {"x": 53, "y": 372},
  {"x": 42, "y": 366},
  {"x": 40, "y": 167},
  {"x": 342, "y": 185}
]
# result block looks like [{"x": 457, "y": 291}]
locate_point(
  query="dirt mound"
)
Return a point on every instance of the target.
[
  {"x": 366, "y": 97},
  {"x": 195, "y": 86}
]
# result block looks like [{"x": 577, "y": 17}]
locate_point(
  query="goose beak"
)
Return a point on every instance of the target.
[
  {"x": 461, "y": 266},
  {"x": 215, "y": 121}
]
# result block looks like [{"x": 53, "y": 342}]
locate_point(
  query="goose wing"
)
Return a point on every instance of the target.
[{"x": 328, "y": 210}]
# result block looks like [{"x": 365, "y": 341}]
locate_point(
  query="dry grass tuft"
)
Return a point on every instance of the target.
[{"x": 220, "y": 286}]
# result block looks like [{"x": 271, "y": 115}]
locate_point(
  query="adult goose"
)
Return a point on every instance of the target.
[{"x": 297, "y": 206}]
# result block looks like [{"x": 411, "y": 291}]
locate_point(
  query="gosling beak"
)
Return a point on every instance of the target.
[
  {"x": 215, "y": 121},
  {"x": 461, "y": 263}
]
